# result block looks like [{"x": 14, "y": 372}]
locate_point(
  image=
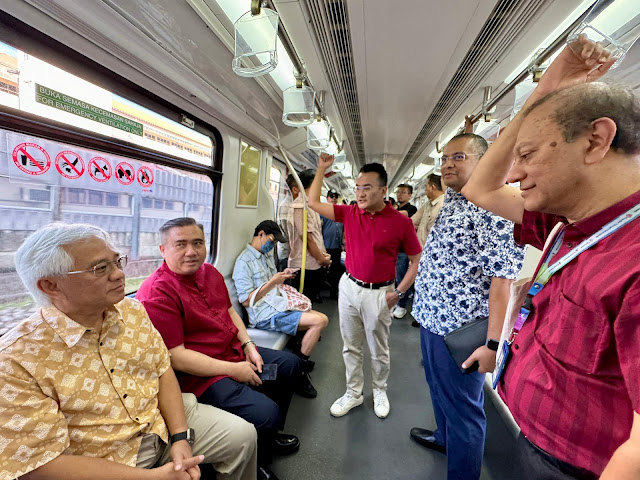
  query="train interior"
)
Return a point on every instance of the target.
[{"x": 143, "y": 94}]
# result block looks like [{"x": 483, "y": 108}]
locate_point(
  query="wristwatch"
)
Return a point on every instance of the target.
[
  {"x": 189, "y": 436},
  {"x": 399, "y": 293},
  {"x": 492, "y": 344}
]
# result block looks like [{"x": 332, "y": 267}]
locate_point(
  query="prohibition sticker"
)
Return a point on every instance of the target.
[
  {"x": 31, "y": 158},
  {"x": 69, "y": 164},
  {"x": 145, "y": 176},
  {"x": 99, "y": 169},
  {"x": 125, "y": 173}
]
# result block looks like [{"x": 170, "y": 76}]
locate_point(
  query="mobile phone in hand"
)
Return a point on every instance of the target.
[{"x": 269, "y": 372}]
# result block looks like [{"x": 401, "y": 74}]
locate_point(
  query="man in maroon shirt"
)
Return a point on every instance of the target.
[
  {"x": 188, "y": 302},
  {"x": 374, "y": 234},
  {"x": 573, "y": 379}
]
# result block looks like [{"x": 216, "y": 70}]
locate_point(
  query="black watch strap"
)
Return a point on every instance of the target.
[
  {"x": 492, "y": 344},
  {"x": 399, "y": 293},
  {"x": 189, "y": 435}
]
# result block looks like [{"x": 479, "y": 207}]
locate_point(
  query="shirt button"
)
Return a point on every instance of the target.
[
  {"x": 124, "y": 396},
  {"x": 111, "y": 370},
  {"x": 137, "y": 419},
  {"x": 516, "y": 346},
  {"x": 569, "y": 245},
  {"x": 100, "y": 343}
]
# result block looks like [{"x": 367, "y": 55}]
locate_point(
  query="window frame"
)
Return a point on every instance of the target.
[{"x": 26, "y": 38}]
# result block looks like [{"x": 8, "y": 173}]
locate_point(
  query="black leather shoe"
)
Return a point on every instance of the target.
[
  {"x": 308, "y": 365},
  {"x": 415, "y": 324},
  {"x": 425, "y": 438},
  {"x": 265, "y": 473},
  {"x": 304, "y": 387},
  {"x": 284, "y": 444}
]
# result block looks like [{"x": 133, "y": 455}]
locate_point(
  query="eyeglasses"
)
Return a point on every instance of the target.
[
  {"x": 103, "y": 268},
  {"x": 363, "y": 188},
  {"x": 456, "y": 157}
]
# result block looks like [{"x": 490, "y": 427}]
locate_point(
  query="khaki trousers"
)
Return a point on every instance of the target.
[
  {"x": 227, "y": 442},
  {"x": 364, "y": 315}
]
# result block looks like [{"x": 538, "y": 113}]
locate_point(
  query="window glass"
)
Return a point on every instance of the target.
[
  {"x": 132, "y": 214},
  {"x": 274, "y": 186},
  {"x": 32, "y": 85}
]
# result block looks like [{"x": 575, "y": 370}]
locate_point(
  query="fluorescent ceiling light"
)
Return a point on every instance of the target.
[
  {"x": 561, "y": 28},
  {"x": 615, "y": 16}
]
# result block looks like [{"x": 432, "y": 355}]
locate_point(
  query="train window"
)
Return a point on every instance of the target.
[
  {"x": 129, "y": 210},
  {"x": 34, "y": 86},
  {"x": 274, "y": 186}
]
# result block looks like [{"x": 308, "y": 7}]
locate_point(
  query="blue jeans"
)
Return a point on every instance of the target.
[
  {"x": 402, "y": 265},
  {"x": 458, "y": 405}
]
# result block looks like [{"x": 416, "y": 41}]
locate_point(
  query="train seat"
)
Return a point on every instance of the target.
[{"x": 267, "y": 339}]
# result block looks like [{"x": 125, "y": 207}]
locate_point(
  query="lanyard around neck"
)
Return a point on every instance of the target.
[{"x": 546, "y": 271}]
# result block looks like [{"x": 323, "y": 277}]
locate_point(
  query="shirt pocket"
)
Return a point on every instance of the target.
[{"x": 573, "y": 335}]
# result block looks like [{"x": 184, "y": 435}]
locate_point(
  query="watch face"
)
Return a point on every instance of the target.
[{"x": 191, "y": 436}]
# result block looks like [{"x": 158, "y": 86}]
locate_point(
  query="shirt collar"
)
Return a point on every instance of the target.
[
  {"x": 438, "y": 200},
  {"x": 71, "y": 331},
  {"x": 592, "y": 224},
  {"x": 385, "y": 211},
  {"x": 253, "y": 252}
]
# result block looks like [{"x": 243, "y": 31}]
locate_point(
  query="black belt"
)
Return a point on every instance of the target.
[{"x": 373, "y": 286}]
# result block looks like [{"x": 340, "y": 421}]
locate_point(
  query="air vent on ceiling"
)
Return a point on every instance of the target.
[
  {"x": 330, "y": 24},
  {"x": 507, "y": 21}
]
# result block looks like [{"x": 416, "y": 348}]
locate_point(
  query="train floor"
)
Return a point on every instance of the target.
[{"x": 361, "y": 446}]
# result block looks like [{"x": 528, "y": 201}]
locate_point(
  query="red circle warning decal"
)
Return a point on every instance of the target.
[
  {"x": 125, "y": 173},
  {"x": 69, "y": 164},
  {"x": 145, "y": 176},
  {"x": 99, "y": 169},
  {"x": 31, "y": 158}
]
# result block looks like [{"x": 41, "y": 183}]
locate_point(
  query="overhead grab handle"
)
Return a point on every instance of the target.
[
  {"x": 298, "y": 104},
  {"x": 256, "y": 37}
]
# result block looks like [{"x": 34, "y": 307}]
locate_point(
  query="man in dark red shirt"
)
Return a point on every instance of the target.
[
  {"x": 573, "y": 379},
  {"x": 374, "y": 234},
  {"x": 188, "y": 302}
]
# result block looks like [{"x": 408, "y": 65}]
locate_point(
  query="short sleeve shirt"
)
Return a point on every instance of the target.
[
  {"x": 251, "y": 270},
  {"x": 193, "y": 310},
  {"x": 373, "y": 241},
  {"x": 66, "y": 389},
  {"x": 573, "y": 381},
  {"x": 466, "y": 248},
  {"x": 409, "y": 208}
]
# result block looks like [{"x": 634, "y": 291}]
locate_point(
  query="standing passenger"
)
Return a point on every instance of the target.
[
  {"x": 573, "y": 380},
  {"x": 403, "y": 192},
  {"x": 333, "y": 235},
  {"x": 283, "y": 218},
  {"x": 375, "y": 233},
  {"x": 426, "y": 215},
  {"x": 465, "y": 273},
  {"x": 317, "y": 257}
]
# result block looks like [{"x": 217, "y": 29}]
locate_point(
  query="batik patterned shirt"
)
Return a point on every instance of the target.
[
  {"x": 466, "y": 247},
  {"x": 67, "y": 389}
]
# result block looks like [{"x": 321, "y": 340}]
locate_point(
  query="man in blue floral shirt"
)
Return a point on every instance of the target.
[{"x": 466, "y": 268}]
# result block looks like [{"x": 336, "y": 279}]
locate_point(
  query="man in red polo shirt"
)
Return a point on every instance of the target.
[
  {"x": 573, "y": 378},
  {"x": 188, "y": 302},
  {"x": 374, "y": 234}
]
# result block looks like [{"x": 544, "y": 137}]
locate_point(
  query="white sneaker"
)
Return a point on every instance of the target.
[
  {"x": 380, "y": 403},
  {"x": 345, "y": 403},
  {"x": 399, "y": 312}
]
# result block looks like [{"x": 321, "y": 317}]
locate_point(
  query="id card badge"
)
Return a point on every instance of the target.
[{"x": 501, "y": 363}]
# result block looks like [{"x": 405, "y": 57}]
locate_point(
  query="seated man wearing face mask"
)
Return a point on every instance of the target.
[{"x": 256, "y": 280}]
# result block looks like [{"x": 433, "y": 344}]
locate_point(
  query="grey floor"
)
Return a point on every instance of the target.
[{"x": 362, "y": 446}]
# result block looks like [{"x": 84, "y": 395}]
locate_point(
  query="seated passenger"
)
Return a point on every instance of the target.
[
  {"x": 189, "y": 304},
  {"x": 86, "y": 385},
  {"x": 256, "y": 279}
]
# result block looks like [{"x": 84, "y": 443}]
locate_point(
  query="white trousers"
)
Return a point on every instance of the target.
[
  {"x": 364, "y": 315},
  {"x": 227, "y": 442}
]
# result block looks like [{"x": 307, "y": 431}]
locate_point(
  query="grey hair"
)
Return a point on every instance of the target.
[{"x": 42, "y": 254}]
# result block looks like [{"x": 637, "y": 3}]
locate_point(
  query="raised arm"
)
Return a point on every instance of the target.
[
  {"x": 325, "y": 209},
  {"x": 487, "y": 186}
]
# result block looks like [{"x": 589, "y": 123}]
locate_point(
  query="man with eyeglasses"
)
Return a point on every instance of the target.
[
  {"x": 374, "y": 234},
  {"x": 86, "y": 385},
  {"x": 333, "y": 235},
  {"x": 465, "y": 272},
  {"x": 188, "y": 302}
]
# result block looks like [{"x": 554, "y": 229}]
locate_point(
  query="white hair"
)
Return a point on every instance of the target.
[{"x": 42, "y": 254}]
